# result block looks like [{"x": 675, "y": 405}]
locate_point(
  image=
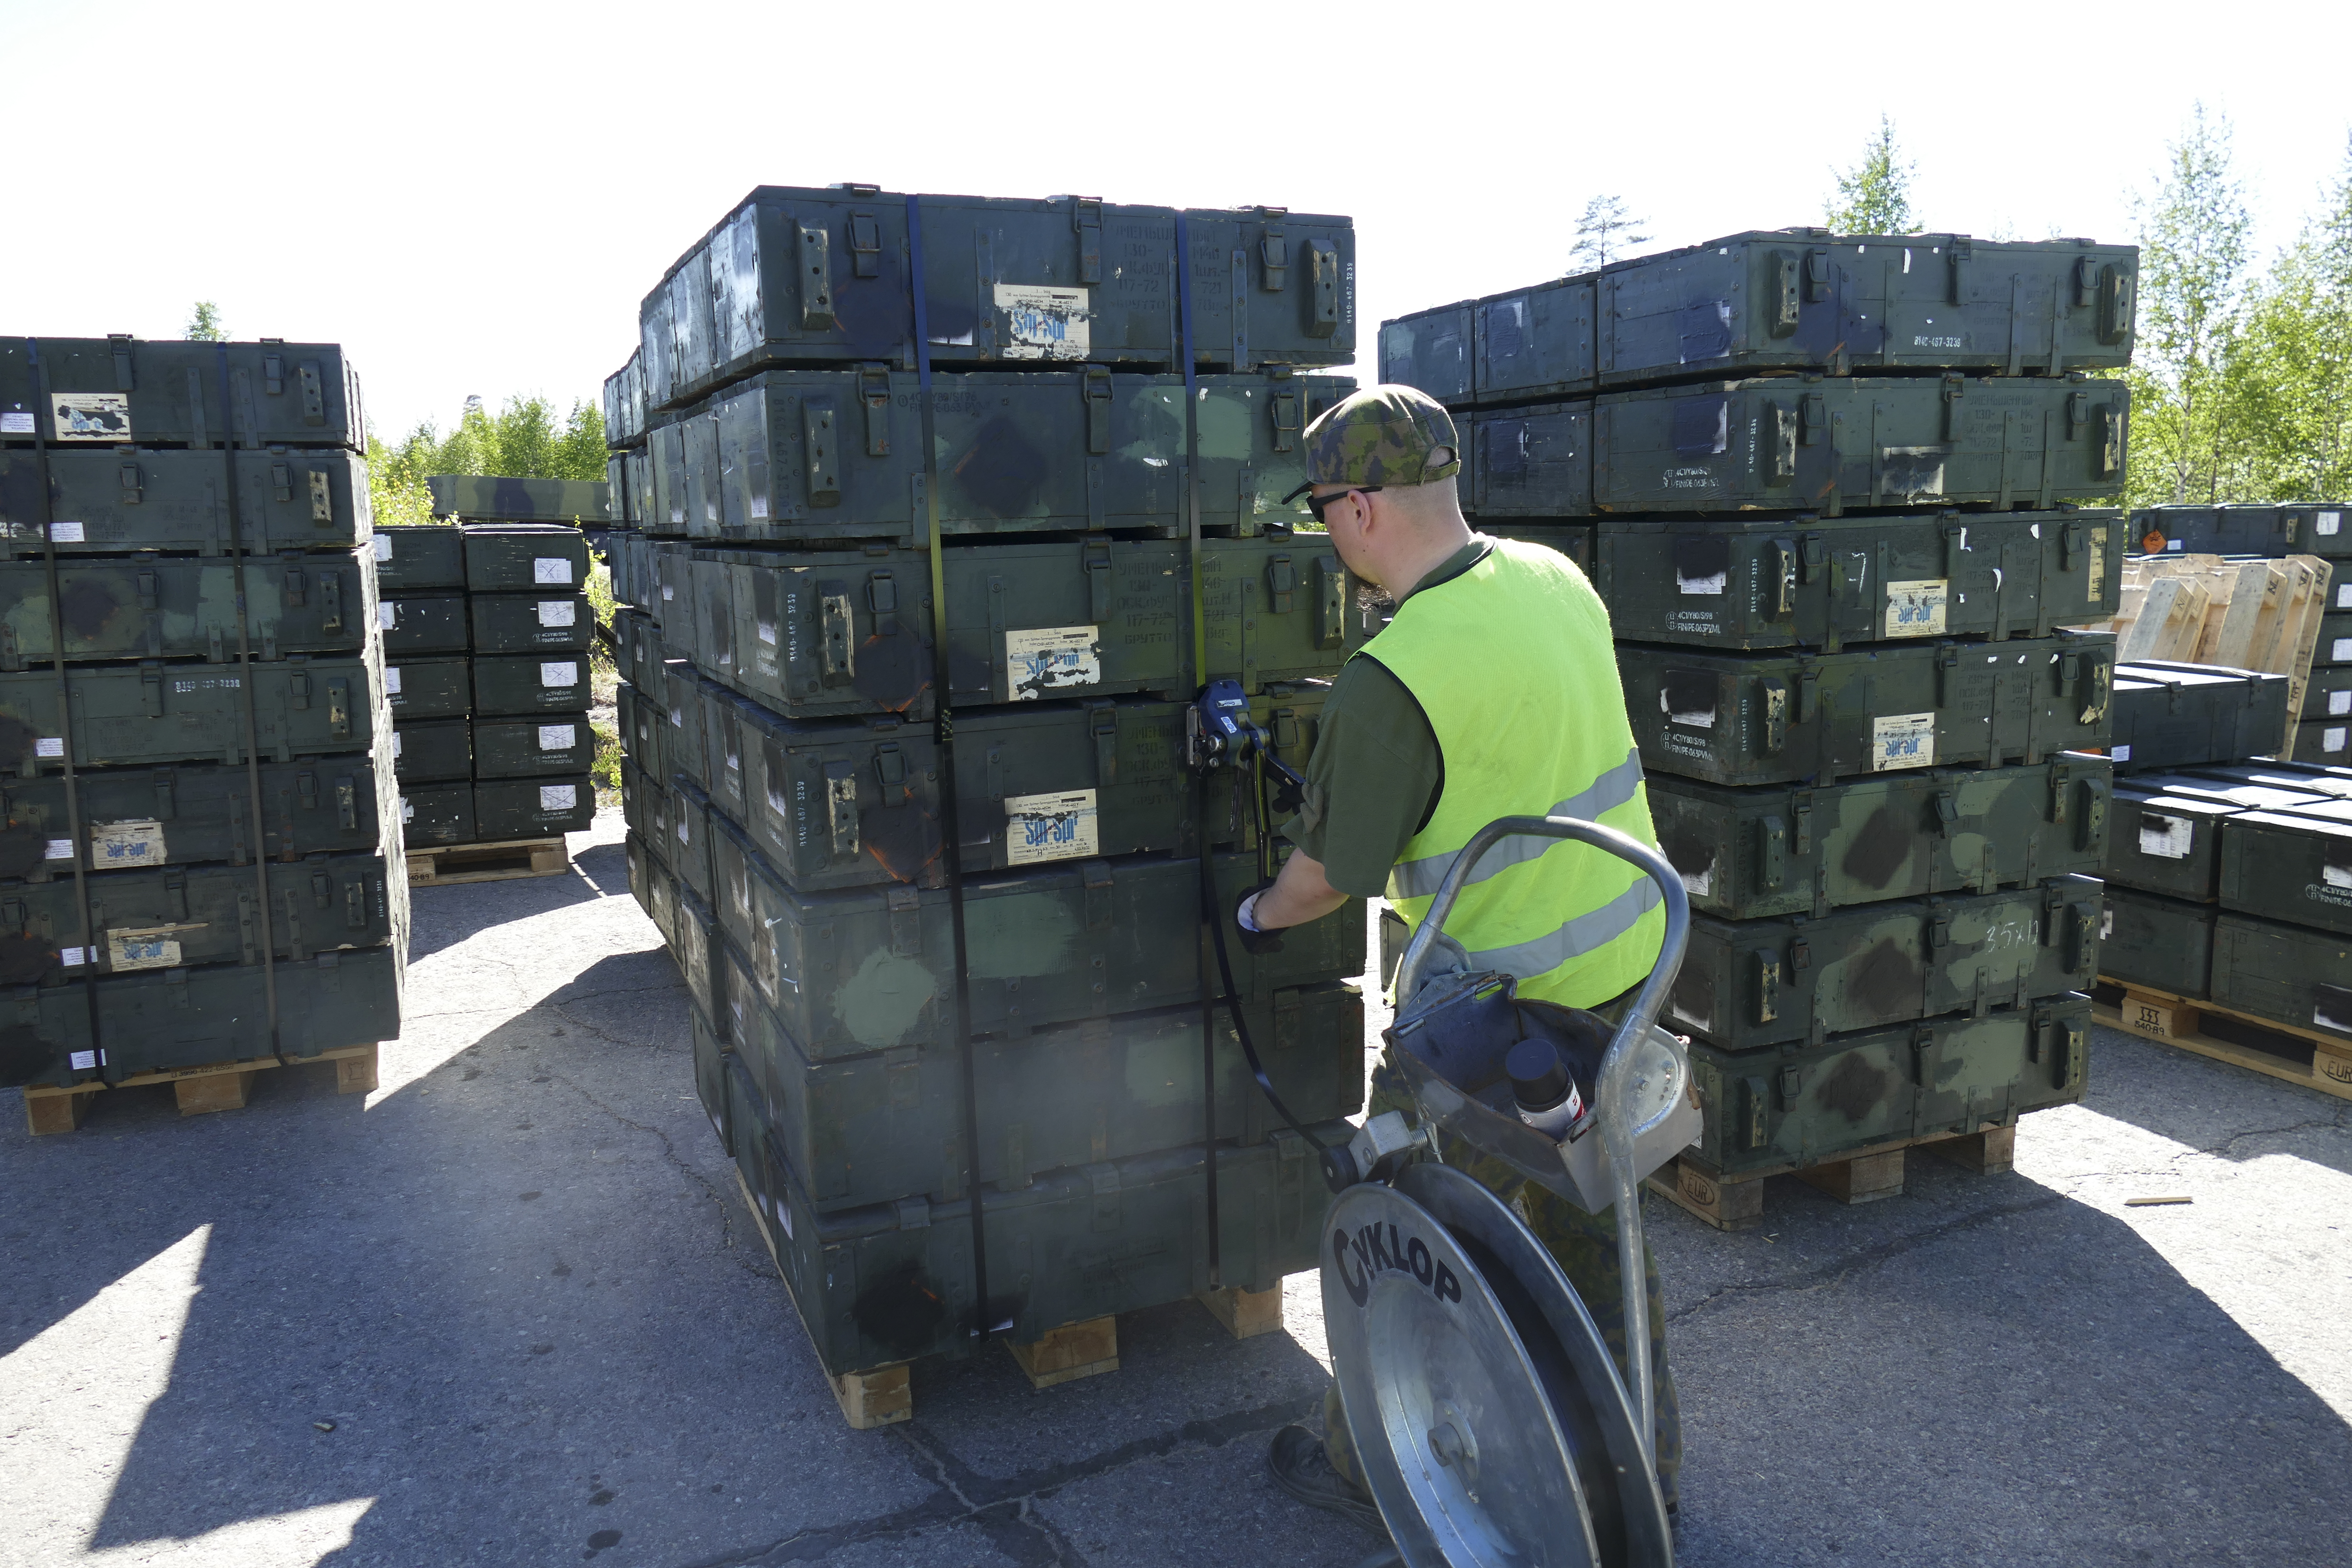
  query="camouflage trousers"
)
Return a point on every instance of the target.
[{"x": 1585, "y": 1247}]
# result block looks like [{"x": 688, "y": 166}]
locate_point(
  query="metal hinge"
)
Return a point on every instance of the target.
[
  {"x": 1096, "y": 876},
  {"x": 1097, "y": 392},
  {"x": 873, "y": 392},
  {"x": 905, "y": 922},
  {"x": 1086, "y": 221}
]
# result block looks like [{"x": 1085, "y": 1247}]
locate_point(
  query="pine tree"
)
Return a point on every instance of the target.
[
  {"x": 1604, "y": 233},
  {"x": 1875, "y": 196},
  {"x": 204, "y": 323}
]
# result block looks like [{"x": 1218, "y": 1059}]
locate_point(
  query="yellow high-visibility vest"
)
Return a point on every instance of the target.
[{"x": 1512, "y": 665}]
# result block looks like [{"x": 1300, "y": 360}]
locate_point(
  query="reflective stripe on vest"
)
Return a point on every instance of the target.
[
  {"x": 1419, "y": 878},
  {"x": 1513, "y": 666}
]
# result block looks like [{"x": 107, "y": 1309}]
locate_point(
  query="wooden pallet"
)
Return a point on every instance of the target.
[
  {"x": 1864, "y": 1175},
  {"x": 1069, "y": 1352},
  {"x": 442, "y": 865},
  {"x": 2234, "y": 614},
  {"x": 2151, "y": 1014},
  {"x": 880, "y": 1396},
  {"x": 215, "y": 1085},
  {"x": 1244, "y": 1313}
]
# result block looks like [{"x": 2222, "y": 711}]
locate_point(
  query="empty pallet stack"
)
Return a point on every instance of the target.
[
  {"x": 1829, "y": 487},
  {"x": 200, "y": 872},
  {"x": 889, "y": 462},
  {"x": 2279, "y": 615},
  {"x": 486, "y": 636}
]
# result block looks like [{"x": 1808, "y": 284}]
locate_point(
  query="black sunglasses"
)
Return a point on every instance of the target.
[{"x": 1317, "y": 503}]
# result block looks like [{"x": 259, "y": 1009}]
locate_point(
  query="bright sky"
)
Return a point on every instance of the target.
[{"x": 473, "y": 198}]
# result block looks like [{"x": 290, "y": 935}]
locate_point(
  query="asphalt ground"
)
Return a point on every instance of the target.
[{"x": 508, "y": 1310}]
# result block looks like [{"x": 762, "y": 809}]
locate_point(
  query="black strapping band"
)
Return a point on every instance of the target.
[
  {"x": 269, "y": 938},
  {"x": 951, "y": 834}
]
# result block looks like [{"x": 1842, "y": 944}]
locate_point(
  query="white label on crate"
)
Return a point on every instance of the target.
[
  {"x": 1902, "y": 741},
  {"x": 145, "y": 947},
  {"x": 2173, "y": 544},
  {"x": 2339, "y": 704},
  {"x": 388, "y": 615},
  {"x": 2339, "y": 650},
  {"x": 551, "y": 569},
  {"x": 1701, "y": 882},
  {"x": 558, "y": 737},
  {"x": 84, "y": 1061},
  {"x": 1675, "y": 1009},
  {"x": 49, "y": 746},
  {"x": 759, "y": 507},
  {"x": 1051, "y": 658},
  {"x": 1689, "y": 717},
  {"x": 2328, "y": 523},
  {"x": 395, "y": 746},
  {"x": 1918, "y": 608},
  {"x": 135, "y": 842},
  {"x": 559, "y": 798},
  {"x": 555, "y": 612},
  {"x": 384, "y": 547},
  {"x": 2107, "y": 923},
  {"x": 60, "y": 849},
  {"x": 66, "y": 533},
  {"x": 71, "y": 957},
  {"x": 392, "y": 679},
  {"x": 1043, "y": 322},
  {"x": 2331, "y": 739},
  {"x": 2344, "y": 595},
  {"x": 407, "y": 811},
  {"x": 767, "y": 632},
  {"x": 2096, "y": 581},
  {"x": 2336, "y": 876},
  {"x": 2327, "y": 1020},
  {"x": 565, "y": 673},
  {"x": 2119, "y": 753},
  {"x": 677, "y": 718},
  {"x": 1712, "y": 585},
  {"x": 2167, "y": 837},
  {"x": 90, "y": 415},
  {"x": 684, "y": 832},
  {"x": 17, "y": 422},
  {"x": 1050, "y": 827}
]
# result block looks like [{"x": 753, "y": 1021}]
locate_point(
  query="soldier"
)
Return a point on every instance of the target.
[{"x": 1493, "y": 692}]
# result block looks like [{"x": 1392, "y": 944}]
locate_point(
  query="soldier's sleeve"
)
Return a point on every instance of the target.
[{"x": 1371, "y": 781}]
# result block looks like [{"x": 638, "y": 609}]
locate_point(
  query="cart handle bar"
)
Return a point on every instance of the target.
[{"x": 1613, "y": 1092}]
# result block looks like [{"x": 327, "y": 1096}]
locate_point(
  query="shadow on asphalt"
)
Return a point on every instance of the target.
[{"x": 443, "y": 917}]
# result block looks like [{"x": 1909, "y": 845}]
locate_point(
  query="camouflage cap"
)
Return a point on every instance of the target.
[{"x": 1381, "y": 436}]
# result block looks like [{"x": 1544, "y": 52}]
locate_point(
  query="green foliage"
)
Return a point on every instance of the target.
[
  {"x": 2188, "y": 391},
  {"x": 522, "y": 441},
  {"x": 1875, "y": 196},
  {"x": 1604, "y": 232},
  {"x": 599, "y": 589},
  {"x": 606, "y": 769},
  {"x": 205, "y": 324}
]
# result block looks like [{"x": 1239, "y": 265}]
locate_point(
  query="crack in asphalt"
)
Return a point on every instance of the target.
[
  {"x": 1003, "y": 1508},
  {"x": 669, "y": 1150},
  {"x": 1831, "y": 1274}
]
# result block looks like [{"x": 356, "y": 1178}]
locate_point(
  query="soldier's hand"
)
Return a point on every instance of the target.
[{"x": 1255, "y": 939}]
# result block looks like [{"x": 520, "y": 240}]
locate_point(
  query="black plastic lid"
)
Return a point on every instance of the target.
[{"x": 1538, "y": 1078}]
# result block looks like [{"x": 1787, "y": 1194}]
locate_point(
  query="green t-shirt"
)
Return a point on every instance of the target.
[{"x": 1376, "y": 772}]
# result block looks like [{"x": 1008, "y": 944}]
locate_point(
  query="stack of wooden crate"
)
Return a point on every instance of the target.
[{"x": 2267, "y": 615}]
